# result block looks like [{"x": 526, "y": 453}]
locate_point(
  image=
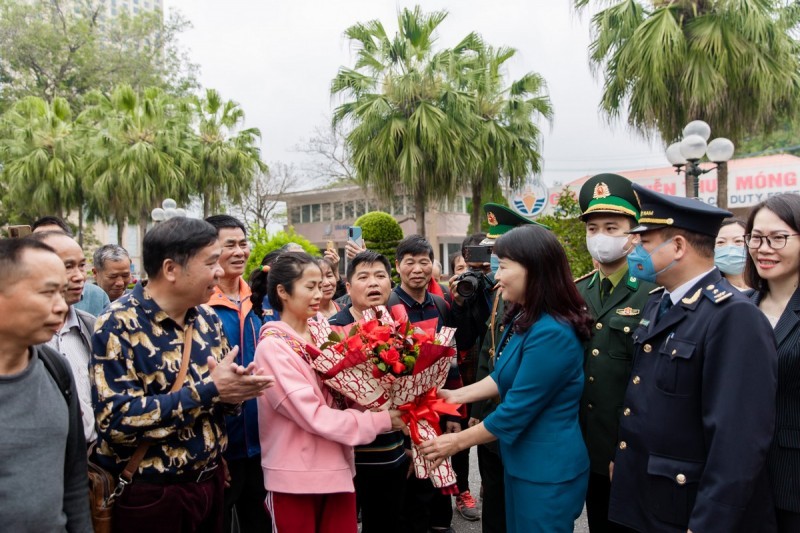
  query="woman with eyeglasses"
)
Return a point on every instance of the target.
[
  {"x": 730, "y": 252},
  {"x": 773, "y": 270}
]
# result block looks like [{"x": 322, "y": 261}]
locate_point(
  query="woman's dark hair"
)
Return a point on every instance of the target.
[
  {"x": 549, "y": 285},
  {"x": 258, "y": 281},
  {"x": 453, "y": 258},
  {"x": 734, "y": 220},
  {"x": 285, "y": 270},
  {"x": 179, "y": 239},
  {"x": 787, "y": 208}
]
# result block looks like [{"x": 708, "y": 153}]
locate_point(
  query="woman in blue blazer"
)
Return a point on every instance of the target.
[
  {"x": 539, "y": 377},
  {"x": 773, "y": 270}
]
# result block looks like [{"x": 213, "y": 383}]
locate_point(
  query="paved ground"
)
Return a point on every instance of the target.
[{"x": 462, "y": 526}]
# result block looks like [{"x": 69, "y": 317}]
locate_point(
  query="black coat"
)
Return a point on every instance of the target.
[
  {"x": 784, "y": 455},
  {"x": 698, "y": 417}
]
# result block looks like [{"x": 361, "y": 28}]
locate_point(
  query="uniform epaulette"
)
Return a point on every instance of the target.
[
  {"x": 716, "y": 294},
  {"x": 585, "y": 276},
  {"x": 657, "y": 289}
]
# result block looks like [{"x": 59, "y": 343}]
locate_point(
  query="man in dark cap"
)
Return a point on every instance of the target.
[
  {"x": 501, "y": 220},
  {"x": 698, "y": 414},
  {"x": 616, "y": 299}
]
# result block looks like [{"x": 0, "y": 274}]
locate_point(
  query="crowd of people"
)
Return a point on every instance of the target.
[{"x": 660, "y": 392}]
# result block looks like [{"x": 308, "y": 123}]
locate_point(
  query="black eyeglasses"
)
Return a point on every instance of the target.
[{"x": 776, "y": 242}]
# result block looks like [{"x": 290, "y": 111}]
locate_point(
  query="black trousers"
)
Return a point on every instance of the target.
[
  {"x": 247, "y": 495},
  {"x": 597, "y": 496},
  {"x": 380, "y": 492},
  {"x": 493, "y": 506},
  {"x": 788, "y": 522},
  {"x": 425, "y": 507}
]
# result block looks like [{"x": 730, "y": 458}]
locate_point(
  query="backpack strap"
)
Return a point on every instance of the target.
[{"x": 57, "y": 368}]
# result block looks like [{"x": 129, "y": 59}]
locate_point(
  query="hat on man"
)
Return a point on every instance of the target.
[
  {"x": 502, "y": 220},
  {"x": 608, "y": 193},
  {"x": 664, "y": 211}
]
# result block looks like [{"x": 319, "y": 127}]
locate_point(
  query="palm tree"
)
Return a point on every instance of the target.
[
  {"x": 42, "y": 160},
  {"x": 505, "y": 142},
  {"x": 732, "y": 63},
  {"x": 408, "y": 124},
  {"x": 226, "y": 162},
  {"x": 141, "y": 152}
]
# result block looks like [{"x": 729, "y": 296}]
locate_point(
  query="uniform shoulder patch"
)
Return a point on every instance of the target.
[
  {"x": 657, "y": 289},
  {"x": 716, "y": 294},
  {"x": 586, "y": 276}
]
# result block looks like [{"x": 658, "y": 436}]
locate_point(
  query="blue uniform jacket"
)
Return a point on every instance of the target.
[
  {"x": 698, "y": 417},
  {"x": 539, "y": 375},
  {"x": 241, "y": 327}
]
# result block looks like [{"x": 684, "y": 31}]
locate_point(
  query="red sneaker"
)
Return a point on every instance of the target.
[{"x": 465, "y": 504}]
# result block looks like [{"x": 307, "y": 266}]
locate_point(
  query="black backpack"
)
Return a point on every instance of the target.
[{"x": 57, "y": 367}]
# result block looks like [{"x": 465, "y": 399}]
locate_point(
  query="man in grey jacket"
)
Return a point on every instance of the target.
[{"x": 43, "y": 479}]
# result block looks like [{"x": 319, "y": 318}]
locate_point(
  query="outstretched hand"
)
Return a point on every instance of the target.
[{"x": 236, "y": 383}]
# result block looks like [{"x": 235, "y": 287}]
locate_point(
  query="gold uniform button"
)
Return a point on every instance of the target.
[
  {"x": 627, "y": 411},
  {"x": 623, "y": 445},
  {"x": 626, "y": 329},
  {"x": 647, "y": 348},
  {"x": 636, "y": 380},
  {"x": 595, "y": 352},
  {"x": 599, "y": 325},
  {"x": 591, "y": 379},
  {"x": 680, "y": 479}
]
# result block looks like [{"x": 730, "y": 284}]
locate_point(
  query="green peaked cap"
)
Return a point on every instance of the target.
[
  {"x": 608, "y": 193},
  {"x": 502, "y": 220}
]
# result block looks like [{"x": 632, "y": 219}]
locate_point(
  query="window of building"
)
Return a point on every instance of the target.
[
  {"x": 410, "y": 207},
  {"x": 349, "y": 210},
  {"x": 338, "y": 211},
  {"x": 295, "y": 215},
  {"x": 306, "y": 214},
  {"x": 315, "y": 213},
  {"x": 398, "y": 209},
  {"x": 326, "y": 213},
  {"x": 361, "y": 208}
]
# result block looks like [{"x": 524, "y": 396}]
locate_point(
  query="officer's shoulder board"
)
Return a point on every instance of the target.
[
  {"x": 716, "y": 294},
  {"x": 586, "y": 276}
]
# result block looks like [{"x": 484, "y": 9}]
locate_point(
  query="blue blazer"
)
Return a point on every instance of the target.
[{"x": 539, "y": 375}]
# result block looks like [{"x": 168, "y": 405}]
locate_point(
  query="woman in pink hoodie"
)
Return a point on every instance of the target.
[{"x": 306, "y": 441}]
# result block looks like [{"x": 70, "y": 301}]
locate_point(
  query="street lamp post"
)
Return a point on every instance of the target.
[
  {"x": 686, "y": 154},
  {"x": 169, "y": 209}
]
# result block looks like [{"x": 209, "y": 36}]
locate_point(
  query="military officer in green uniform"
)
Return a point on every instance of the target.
[
  {"x": 616, "y": 299},
  {"x": 501, "y": 219}
]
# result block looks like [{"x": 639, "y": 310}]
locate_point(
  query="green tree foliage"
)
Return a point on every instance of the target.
[
  {"x": 408, "y": 120},
  {"x": 42, "y": 158},
  {"x": 226, "y": 159},
  {"x": 263, "y": 242},
  {"x": 565, "y": 222},
  {"x": 381, "y": 234},
  {"x": 732, "y": 63},
  {"x": 141, "y": 150},
  {"x": 55, "y": 48},
  {"x": 503, "y": 147}
]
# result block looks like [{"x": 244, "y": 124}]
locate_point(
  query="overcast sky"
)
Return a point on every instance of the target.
[{"x": 277, "y": 59}]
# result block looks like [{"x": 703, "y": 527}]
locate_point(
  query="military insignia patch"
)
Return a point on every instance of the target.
[
  {"x": 644, "y": 322},
  {"x": 628, "y": 311},
  {"x": 491, "y": 218},
  {"x": 601, "y": 190},
  {"x": 693, "y": 298}
]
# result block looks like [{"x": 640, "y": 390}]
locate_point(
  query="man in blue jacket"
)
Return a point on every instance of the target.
[{"x": 231, "y": 302}]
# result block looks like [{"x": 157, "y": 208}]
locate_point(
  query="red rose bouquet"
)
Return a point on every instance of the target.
[{"x": 385, "y": 362}]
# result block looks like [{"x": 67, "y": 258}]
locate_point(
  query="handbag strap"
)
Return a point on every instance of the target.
[
  {"x": 133, "y": 463},
  {"x": 492, "y": 324}
]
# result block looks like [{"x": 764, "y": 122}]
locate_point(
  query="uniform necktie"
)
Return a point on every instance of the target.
[
  {"x": 664, "y": 306},
  {"x": 605, "y": 289}
]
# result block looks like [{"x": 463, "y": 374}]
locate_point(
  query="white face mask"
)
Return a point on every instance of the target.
[{"x": 607, "y": 249}]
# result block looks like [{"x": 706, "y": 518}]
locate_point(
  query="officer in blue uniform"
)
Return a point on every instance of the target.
[{"x": 699, "y": 410}]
